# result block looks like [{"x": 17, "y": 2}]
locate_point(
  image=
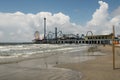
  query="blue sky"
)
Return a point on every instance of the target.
[
  {"x": 80, "y": 11},
  {"x": 19, "y": 19}
]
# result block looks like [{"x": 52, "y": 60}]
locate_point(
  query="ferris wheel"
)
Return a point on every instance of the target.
[{"x": 37, "y": 35}]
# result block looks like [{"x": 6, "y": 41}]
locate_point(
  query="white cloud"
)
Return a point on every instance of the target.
[
  {"x": 21, "y": 27},
  {"x": 102, "y": 22},
  {"x": 1, "y": 34},
  {"x": 116, "y": 12},
  {"x": 100, "y": 15}
]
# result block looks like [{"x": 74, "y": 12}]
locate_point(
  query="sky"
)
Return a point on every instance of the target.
[{"x": 19, "y": 19}]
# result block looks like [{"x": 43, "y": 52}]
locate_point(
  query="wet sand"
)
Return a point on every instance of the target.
[
  {"x": 100, "y": 68},
  {"x": 35, "y": 69},
  {"x": 32, "y": 70},
  {"x": 39, "y": 67}
]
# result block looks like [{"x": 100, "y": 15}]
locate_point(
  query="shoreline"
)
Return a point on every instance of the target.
[{"x": 70, "y": 65}]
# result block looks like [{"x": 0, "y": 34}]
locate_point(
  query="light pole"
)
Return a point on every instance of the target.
[{"x": 113, "y": 47}]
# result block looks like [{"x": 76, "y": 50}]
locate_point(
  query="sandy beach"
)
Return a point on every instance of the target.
[
  {"x": 100, "y": 68},
  {"x": 70, "y": 65}
]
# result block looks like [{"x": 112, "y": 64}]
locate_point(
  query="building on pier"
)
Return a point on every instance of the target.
[{"x": 99, "y": 39}]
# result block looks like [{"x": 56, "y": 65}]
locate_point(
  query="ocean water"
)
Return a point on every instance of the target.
[
  {"x": 18, "y": 52},
  {"x": 22, "y": 50}
]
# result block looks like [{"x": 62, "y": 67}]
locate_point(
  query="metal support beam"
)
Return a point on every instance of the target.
[
  {"x": 44, "y": 28},
  {"x": 56, "y": 33}
]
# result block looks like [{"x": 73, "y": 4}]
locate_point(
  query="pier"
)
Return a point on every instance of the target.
[
  {"x": 57, "y": 37},
  {"x": 96, "y": 39}
]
